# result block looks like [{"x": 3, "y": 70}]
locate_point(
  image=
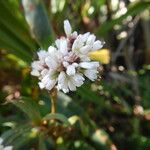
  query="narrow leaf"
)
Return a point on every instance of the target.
[{"x": 29, "y": 107}]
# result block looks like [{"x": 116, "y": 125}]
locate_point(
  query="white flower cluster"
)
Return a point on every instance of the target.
[
  {"x": 66, "y": 64},
  {"x": 4, "y": 148}
]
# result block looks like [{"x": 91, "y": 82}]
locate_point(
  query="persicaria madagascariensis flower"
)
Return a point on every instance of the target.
[{"x": 67, "y": 64}]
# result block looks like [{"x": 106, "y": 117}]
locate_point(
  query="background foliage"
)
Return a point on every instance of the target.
[{"x": 112, "y": 113}]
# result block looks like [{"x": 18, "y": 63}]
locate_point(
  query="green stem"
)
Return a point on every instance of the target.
[{"x": 53, "y": 97}]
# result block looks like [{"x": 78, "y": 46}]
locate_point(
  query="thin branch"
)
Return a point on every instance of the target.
[{"x": 124, "y": 41}]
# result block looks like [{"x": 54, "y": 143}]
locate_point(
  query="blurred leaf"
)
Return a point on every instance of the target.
[
  {"x": 57, "y": 116},
  {"x": 57, "y": 5},
  {"x": 15, "y": 24},
  {"x": 84, "y": 128},
  {"x": 98, "y": 3},
  {"x": 87, "y": 94},
  {"x": 8, "y": 42},
  {"x": 69, "y": 107},
  {"x": 12, "y": 135},
  {"x": 81, "y": 145},
  {"x": 14, "y": 36},
  {"x": 42, "y": 145},
  {"x": 101, "y": 138},
  {"x": 133, "y": 10},
  {"x": 20, "y": 137},
  {"x": 29, "y": 107},
  {"x": 37, "y": 19},
  {"x": 145, "y": 90}
]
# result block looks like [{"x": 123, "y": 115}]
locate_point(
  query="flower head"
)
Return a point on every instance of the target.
[
  {"x": 67, "y": 64},
  {"x": 4, "y": 148}
]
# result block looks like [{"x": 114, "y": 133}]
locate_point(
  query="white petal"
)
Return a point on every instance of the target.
[
  {"x": 79, "y": 77},
  {"x": 51, "y": 49},
  {"x": 84, "y": 58},
  {"x": 75, "y": 65},
  {"x": 89, "y": 65},
  {"x": 45, "y": 79},
  {"x": 91, "y": 39},
  {"x": 97, "y": 45},
  {"x": 63, "y": 46},
  {"x": 78, "y": 43},
  {"x": 74, "y": 34},
  {"x": 67, "y": 28},
  {"x": 63, "y": 82},
  {"x": 35, "y": 73},
  {"x": 85, "y": 49},
  {"x": 57, "y": 42},
  {"x": 64, "y": 87},
  {"x": 65, "y": 90},
  {"x": 61, "y": 77},
  {"x": 85, "y": 36},
  {"x": 72, "y": 87},
  {"x": 65, "y": 64},
  {"x": 37, "y": 65},
  {"x": 51, "y": 62},
  {"x": 50, "y": 84},
  {"x": 91, "y": 74},
  {"x": 78, "y": 80},
  {"x": 41, "y": 85},
  {"x": 42, "y": 54},
  {"x": 44, "y": 72},
  {"x": 71, "y": 70}
]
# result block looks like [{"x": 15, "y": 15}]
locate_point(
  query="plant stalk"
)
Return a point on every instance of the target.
[{"x": 53, "y": 97}]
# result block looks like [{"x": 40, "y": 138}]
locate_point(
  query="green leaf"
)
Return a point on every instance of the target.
[
  {"x": 133, "y": 10},
  {"x": 15, "y": 24},
  {"x": 8, "y": 42},
  {"x": 87, "y": 94},
  {"x": 69, "y": 107},
  {"x": 20, "y": 137},
  {"x": 10, "y": 136},
  {"x": 14, "y": 35},
  {"x": 37, "y": 19},
  {"x": 57, "y": 116},
  {"x": 29, "y": 107}
]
